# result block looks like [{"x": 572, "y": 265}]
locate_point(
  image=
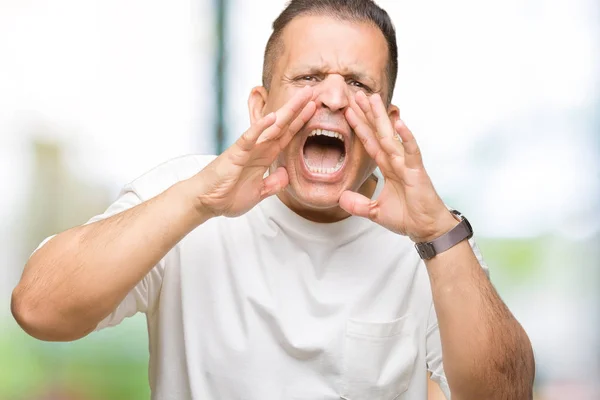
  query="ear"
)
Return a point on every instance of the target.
[
  {"x": 257, "y": 103},
  {"x": 394, "y": 114}
]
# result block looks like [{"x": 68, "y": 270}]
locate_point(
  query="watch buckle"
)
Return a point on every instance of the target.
[{"x": 425, "y": 250}]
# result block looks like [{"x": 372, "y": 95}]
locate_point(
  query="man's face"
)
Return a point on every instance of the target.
[{"x": 337, "y": 58}]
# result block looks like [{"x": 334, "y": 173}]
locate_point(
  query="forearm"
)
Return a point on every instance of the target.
[
  {"x": 486, "y": 352},
  {"x": 81, "y": 275}
]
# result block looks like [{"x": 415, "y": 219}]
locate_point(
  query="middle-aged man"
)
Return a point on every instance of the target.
[{"x": 286, "y": 267}]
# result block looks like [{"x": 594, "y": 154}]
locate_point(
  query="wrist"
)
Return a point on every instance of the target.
[
  {"x": 191, "y": 202},
  {"x": 443, "y": 224}
]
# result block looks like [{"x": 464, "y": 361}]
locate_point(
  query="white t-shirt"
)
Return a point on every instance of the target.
[{"x": 272, "y": 306}]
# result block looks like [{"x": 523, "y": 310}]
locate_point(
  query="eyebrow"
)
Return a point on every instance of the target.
[{"x": 321, "y": 70}]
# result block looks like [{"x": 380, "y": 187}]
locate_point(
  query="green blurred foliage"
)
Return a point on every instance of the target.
[
  {"x": 112, "y": 364},
  {"x": 517, "y": 259}
]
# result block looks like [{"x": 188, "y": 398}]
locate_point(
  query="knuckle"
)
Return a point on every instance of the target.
[
  {"x": 247, "y": 136},
  {"x": 279, "y": 124}
]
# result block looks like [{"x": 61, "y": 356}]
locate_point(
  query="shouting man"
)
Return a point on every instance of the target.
[{"x": 313, "y": 259}]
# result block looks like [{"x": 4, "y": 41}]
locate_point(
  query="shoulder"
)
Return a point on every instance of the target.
[{"x": 165, "y": 175}]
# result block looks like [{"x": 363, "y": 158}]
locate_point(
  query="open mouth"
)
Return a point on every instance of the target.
[{"x": 324, "y": 151}]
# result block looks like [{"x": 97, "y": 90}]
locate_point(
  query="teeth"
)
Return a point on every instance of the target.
[
  {"x": 319, "y": 170},
  {"x": 324, "y": 132}
]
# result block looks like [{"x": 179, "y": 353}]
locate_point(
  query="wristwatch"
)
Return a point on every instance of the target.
[{"x": 462, "y": 231}]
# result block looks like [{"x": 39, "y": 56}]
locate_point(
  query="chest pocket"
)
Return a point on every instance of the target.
[{"x": 378, "y": 359}]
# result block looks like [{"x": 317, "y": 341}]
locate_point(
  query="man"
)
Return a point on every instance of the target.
[{"x": 286, "y": 268}]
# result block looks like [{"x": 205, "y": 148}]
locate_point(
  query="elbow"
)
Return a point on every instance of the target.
[
  {"x": 26, "y": 315},
  {"x": 40, "y": 323},
  {"x": 515, "y": 372},
  {"x": 504, "y": 370},
  {"x": 527, "y": 359}
]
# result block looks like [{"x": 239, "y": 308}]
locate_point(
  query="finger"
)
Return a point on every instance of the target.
[
  {"x": 380, "y": 124},
  {"x": 381, "y": 119},
  {"x": 383, "y": 126},
  {"x": 286, "y": 114},
  {"x": 365, "y": 134},
  {"x": 412, "y": 152},
  {"x": 354, "y": 106},
  {"x": 299, "y": 122},
  {"x": 359, "y": 205},
  {"x": 248, "y": 139},
  {"x": 274, "y": 183},
  {"x": 385, "y": 130},
  {"x": 363, "y": 102}
]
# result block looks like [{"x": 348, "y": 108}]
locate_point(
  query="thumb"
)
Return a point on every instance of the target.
[
  {"x": 359, "y": 205},
  {"x": 274, "y": 183}
]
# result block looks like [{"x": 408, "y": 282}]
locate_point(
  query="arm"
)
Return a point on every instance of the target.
[
  {"x": 486, "y": 353},
  {"x": 76, "y": 279},
  {"x": 80, "y": 276}
]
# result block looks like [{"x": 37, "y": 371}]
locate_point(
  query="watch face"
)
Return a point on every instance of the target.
[
  {"x": 466, "y": 221},
  {"x": 469, "y": 227},
  {"x": 457, "y": 214}
]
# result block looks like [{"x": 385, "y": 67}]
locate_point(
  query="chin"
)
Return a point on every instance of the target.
[{"x": 315, "y": 196}]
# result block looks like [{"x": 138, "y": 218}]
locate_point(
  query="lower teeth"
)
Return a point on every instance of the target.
[{"x": 319, "y": 170}]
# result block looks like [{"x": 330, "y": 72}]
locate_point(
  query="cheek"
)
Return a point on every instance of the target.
[
  {"x": 361, "y": 157},
  {"x": 290, "y": 153},
  {"x": 364, "y": 164}
]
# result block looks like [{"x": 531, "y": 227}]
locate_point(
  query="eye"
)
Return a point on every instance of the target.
[
  {"x": 359, "y": 85},
  {"x": 307, "y": 78}
]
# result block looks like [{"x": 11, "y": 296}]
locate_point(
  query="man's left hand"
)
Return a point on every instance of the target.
[{"x": 408, "y": 203}]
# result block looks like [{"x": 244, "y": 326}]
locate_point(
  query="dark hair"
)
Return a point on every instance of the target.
[{"x": 349, "y": 10}]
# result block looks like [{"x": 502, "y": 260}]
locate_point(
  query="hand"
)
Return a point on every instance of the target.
[
  {"x": 234, "y": 182},
  {"x": 408, "y": 203}
]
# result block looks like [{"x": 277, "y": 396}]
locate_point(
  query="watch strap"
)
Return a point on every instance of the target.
[{"x": 460, "y": 232}]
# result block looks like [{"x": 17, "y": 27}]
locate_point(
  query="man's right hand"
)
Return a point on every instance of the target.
[{"x": 234, "y": 182}]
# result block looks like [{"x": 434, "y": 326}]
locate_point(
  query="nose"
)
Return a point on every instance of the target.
[{"x": 332, "y": 93}]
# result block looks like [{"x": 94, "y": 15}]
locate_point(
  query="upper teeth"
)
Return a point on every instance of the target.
[{"x": 325, "y": 132}]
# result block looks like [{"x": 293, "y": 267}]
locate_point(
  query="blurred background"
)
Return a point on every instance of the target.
[{"x": 503, "y": 96}]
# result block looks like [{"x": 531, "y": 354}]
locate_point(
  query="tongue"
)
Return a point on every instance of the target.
[{"x": 321, "y": 156}]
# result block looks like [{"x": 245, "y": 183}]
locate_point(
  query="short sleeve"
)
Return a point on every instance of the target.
[
  {"x": 143, "y": 297},
  {"x": 435, "y": 363}
]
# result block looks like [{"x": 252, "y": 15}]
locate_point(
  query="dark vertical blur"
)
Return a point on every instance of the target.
[{"x": 221, "y": 26}]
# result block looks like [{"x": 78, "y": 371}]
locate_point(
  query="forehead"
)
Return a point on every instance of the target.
[{"x": 337, "y": 45}]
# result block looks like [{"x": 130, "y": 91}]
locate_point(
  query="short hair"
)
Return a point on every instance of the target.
[{"x": 348, "y": 10}]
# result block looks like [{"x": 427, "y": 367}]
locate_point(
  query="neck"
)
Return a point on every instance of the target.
[{"x": 326, "y": 215}]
